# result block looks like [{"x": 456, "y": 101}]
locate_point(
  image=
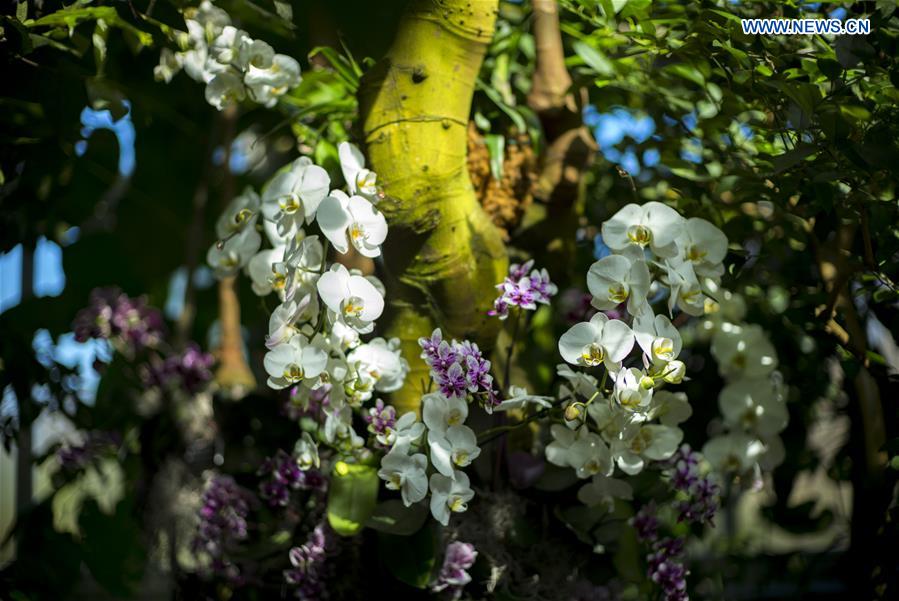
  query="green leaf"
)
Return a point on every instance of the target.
[
  {"x": 74, "y": 15},
  {"x": 830, "y": 68},
  {"x": 493, "y": 95},
  {"x": 346, "y": 68},
  {"x": 855, "y": 112},
  {"x": 22, "y": 11},
  {"x": 636, "y": 8},
  {"x": 496, "y": 146},
  {"x": 284, "y": 10},
  {"x": 352, "y": 497},
  {"x": 784, "y": 161},
  {"x": 410, "y": 559},
  {"x": 764, "y": 70},
  {"x": 594, "y": 59},
  {"x": 688, "y": 72},
  {"x": 393, "y": 517}
]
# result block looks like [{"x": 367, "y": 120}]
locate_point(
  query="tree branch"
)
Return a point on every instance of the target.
[
  {"x": 570, "y": 146},
  {"x": 233, "y": 374},
  {"x": 445, "y": 254}
]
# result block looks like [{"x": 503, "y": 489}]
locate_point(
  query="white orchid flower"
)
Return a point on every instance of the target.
[
  {"x": 611, "y": 420},
  {"x": 440, "y": 413},
  {"x": 615, "y": 279},
  {"x": 755, "y": 406},
  {"x": 604, "y": 490},
  {"x": 653, "y": 224},
  {"x": 670, "y": 408},
  {"x": 351, "y": 297},
  {"x": 743, "y": 351},
  {"x": 733, "y": 453},
  {"x": 268, "y": 272},
  {"x": 358, "y": 179},
  {"x": 267, "y": 83},
  {"x": 686, "y": 290},
  {"x": 406, "y": 474},
  {"x": 600, "y": 340},
  {"x": 449, "y": 495},
  {"x": 343, "y": 336},
  {"x": 281, "y": 324},
  {"x": 306, "y": 452},
  {"x": 581, "y": 383},
  {"x": 231, "y": 47},
  {"x": 241, "y": 212},
  {"x": 653, "y": 442},
  {"x": 457, "y": 447},
  {"x": 343, "y": 217},
  {"x": 206, "y": 21},
  {"x": 293, "y": 196},
  {"x": 661, "y": 343},
  {"x": 704, "y": 245},
  {"x": 406, "y": 432},
  {"x": 589, "y": 455},
  {"x": 225, "y": 89},
  {"x": 383, "y": 362},
  {"x": 170, "y": 63},
  {"x": 226, "y": 258},
  {"x": 579, "y": 449},
  {"x": 557, "y": 452},
  {"x": 294, "y": 361},
  {"x": 633, "y": 390}
]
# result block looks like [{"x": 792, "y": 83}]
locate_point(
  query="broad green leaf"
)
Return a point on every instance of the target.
[
  {"x": 594, "y": 59},
  {"x": 410, "y": 559},
  {"x": 393, "y": 517},
  {"x": 352, "y": 497}
]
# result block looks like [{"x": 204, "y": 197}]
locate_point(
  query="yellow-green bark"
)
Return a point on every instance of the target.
[{"x": 444, "y": 255}]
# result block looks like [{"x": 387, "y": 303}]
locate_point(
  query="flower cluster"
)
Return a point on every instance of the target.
[
  {"x": 652, "y": 247},
  {"x": 128, "y": 323},
  {"x": 223, "y": 521},
  {"x": 667, "y": 570},
  {"x": 459, "y": 369},
  {"x": 284, "y": 473},
  {"x": 664, "y": 561},
  {"x": 316, "y": 345},
  {"x": 524, "y": 287},
  {"x": 450, "y": 444},
  {"x": 231, "y": 64},
  {"x": 453, "y": 576},
  {"x": 189, "y": 371},
  {"x": 75, "y": 457},
  {"x": 699, "y": 494},
  {"x": 310, "y": 565},
  {"x": 753, "y": 400}
]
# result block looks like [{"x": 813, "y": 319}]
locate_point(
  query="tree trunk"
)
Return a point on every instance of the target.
[{"x": 443, "y": 254}]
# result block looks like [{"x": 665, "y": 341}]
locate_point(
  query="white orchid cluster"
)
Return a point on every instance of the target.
[
  {"x": 752, "y": 403},
  {"x": 233, "y": 66},
  {"x": 314, "y": 340},
  {"x": 655, "y": 251},
  {"x": 447, "y": 442}
]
